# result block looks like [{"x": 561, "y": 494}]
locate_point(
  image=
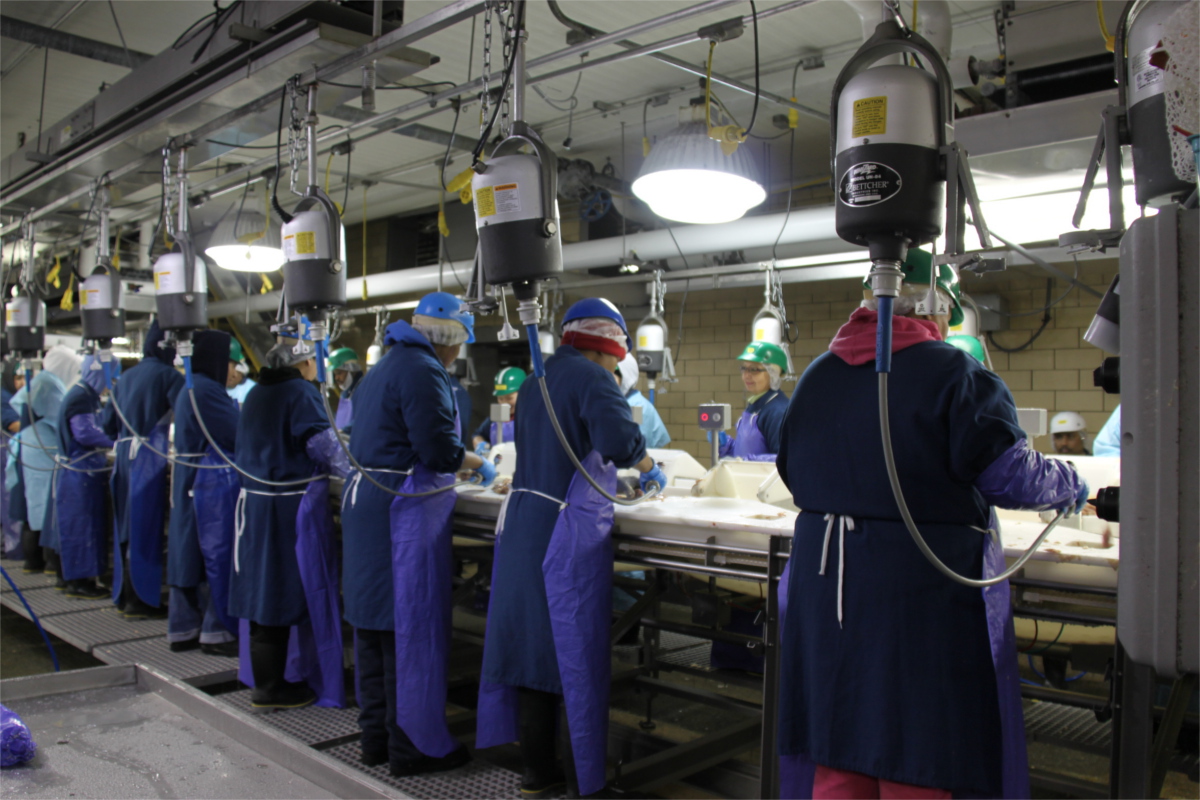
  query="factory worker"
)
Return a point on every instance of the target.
[
  {"x": 37, "y": 448},
  {"x": 397, "y": 550},
  {"x": 139, "y": 480},
  {"x": 896, "y": 680},
  {"x": 347, "y": 372},
  {"x": 10, "y": 421},
  {"x": 237, "y": 377},
  {"x": 194, "y": 618},
  {"x": 547, "y": 642},
  {"x": 652, "y": 425},
  {"x": 1069, "y": 431},
  {"x": 757, "y": 434},
  {"x": 81, "y": 493},
  {"x": 283, "y": 435},
  {"x": 507, "y": 386},
  {"x": 1108, "y": 440}
]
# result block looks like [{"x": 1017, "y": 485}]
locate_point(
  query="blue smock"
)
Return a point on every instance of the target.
[
  {"x": 144, "y": 395},
  {"x": 14, "y": 479},
  {"x": 595, "y": 417},
  {"x": 404, "y": 413},
  {"x": 903, "y": 687},
  {"x": 279, "y": 417},
  {"x": 652, "y": 425},
  {"x": 1108, "y": 440},
  {"x": 36, "y": 448},
  {"x": 81, "y": 496},
  {"x": 185, "y": 563},
  {"x": 240, "y": 391},
  {"x": 758, "y": 429}
]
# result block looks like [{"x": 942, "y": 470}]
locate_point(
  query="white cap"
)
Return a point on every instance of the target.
[{"x": 1067, "y": 422}]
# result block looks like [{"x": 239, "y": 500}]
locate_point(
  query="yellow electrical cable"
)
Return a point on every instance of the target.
[
  {"x": 1110, "y": 42},
  {"x": 68, "y": 299},
  {"x": 328, "y": 165},
  {"x": 712, "y": 45},
  {"x": 729, "y": 136},
  {"x": 364, "y": 243}
]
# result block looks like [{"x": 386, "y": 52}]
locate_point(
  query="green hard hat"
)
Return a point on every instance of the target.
[
  {"x": 235, "y": 351},
  {"x": 969, "y": 345},
  {"x": 508, "y": 381},
  {"x": 765, "y": 353},
  {"x": 916, "y": 269},
  {"x": 342, "y": 356}
]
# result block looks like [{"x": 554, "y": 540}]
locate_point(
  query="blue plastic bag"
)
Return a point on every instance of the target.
[{"x": 16, "y": 742}]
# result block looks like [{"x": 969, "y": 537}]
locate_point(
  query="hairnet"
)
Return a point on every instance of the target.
[
  {"x": 445, "y": 332},
  {"x": 599, "y": 328},
  {"x": 776, "y": 375},
  {"x": 289, "y": 353},
  {"x": 906, "y": 303},
  {"x": 629, "y": 372},
  {"x": 65, "y": 363},
  {"x": 93, "y": 373}
]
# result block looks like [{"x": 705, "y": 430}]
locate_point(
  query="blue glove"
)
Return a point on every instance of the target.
[
  {"x": 655, "y": 475},
  {"x": 486, "y": 473},
  {"x": 1081, "y": 497},
  {"x": 722, "y": 438},
  {"x": 483, "y": 448}
]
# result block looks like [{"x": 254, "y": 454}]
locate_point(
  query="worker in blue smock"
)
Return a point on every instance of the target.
[
  {"x": 506, "y": 390},
  {"x": 551, "y": 541},
  {"x": 896, "y": 680},
  {"x": 397, "y": 550},
  {"x": 81, "y": 494},
  {"x": 139, "y": 480},
  {"x": 757, "y": 436},
  {"x": 347, "y": 372},
  {"x": 193, "y": 619},
  {"x": 284, "y": 436},
  {"x": 652, "y": 425},
  {"x": 1108, "y": 440},
  {"x": 238, "y": 382}
]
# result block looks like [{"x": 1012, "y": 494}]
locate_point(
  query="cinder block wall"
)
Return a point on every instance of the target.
[{"x": 1054, "y": 373}]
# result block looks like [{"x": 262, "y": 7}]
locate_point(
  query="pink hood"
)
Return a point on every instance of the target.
[{"x": 855, "y": 341}]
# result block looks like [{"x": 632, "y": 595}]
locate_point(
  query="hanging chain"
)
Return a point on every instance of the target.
[
  {"x": 170, "y": 189},
  {"x": 660, "y": 300},
  {"x": 484, "y": 98},
  {"x": 510, "y": 42},
  {"x": 297, "y": 145}
]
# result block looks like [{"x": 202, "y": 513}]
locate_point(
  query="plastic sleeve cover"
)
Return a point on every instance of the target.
[
  {"x": 87, "y": 431},
  {"x": 1022, "y": 478},
  {"x": 324, "y": 448}
]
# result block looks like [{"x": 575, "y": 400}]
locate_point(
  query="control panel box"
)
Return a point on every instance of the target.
[{"x": 714, "y": 416}]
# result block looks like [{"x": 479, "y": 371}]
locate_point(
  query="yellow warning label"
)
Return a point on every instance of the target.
[
  {"x": 306, "y": 242},
  {"x": 870, "y": 117},
  {"x": 159, "y": 276},
  {"x": 83, "y": 295},
  {"x": 485, "y": 201},
  {"x": 760, "y": 333}
]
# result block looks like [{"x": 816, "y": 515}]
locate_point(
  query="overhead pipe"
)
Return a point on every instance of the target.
[{"x": 41, "y": 36}]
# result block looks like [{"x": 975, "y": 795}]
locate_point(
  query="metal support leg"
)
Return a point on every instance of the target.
[
  {"x": 1133, "y": 728},
  {"x": 768, "y": 756},
  {"x": 1168, "y": 731}
]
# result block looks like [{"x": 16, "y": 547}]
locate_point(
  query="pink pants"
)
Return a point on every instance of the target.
[{"x": 838, "y": 784}]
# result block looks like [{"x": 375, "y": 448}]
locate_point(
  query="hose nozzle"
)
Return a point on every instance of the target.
[{"x": 886, "y": 278}]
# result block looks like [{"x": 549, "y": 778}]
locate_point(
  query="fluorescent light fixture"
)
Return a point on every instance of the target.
[
  {"x": 687, "y": 178},
  {"x": 246, "y": 242}
]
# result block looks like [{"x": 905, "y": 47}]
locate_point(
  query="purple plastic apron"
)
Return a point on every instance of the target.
[
  {"x": 749, "y": 443},
  {"x": 345, "y": 413},
  {"x": 147, "y": 507},
  {"x": 796, "y": 773},
  {"x": 315, "y": 647},
  {"x": 422, "y": 564},
  {"x": 507, "y": 428}
]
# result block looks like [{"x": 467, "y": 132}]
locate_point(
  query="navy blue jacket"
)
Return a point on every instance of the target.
[
  {"x": 403, "y": 413},
  {"x": 145, "y": 392},
  {"x": 771, "y": 412},
  {"x": 81, "y": 399}
]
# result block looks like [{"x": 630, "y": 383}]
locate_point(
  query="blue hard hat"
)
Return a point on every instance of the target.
[
  {"x": 443, "y": 305},
  {"x": 598, "y": 307}
]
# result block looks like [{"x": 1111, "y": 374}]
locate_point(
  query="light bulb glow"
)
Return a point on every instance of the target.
[
  {"x": 698, "y": 196},
  {"x": 246, "y": 258}
]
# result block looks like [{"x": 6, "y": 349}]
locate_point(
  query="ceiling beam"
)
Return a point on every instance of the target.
[{"x": 41, "y": 36}]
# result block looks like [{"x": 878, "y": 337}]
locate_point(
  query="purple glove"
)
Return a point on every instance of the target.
[
  {"x": 1022, "y": 478},
  {"x": 325, "y": 449},
  {"x": 86, "y": 431}
]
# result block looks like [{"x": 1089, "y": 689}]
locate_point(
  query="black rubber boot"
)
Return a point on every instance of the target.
[
  {"x": 426, "y": 764},
  {"x": 222, "y": 649},
  {"x": 34, "y": 560},
  {"x": 85, "y": 589},
  {"x": 542, "y": 775},
  {"x": 268, "y": 661}
]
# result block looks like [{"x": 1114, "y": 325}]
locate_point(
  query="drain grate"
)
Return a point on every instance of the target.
[
  {"x": 192, "y": 666},
  {"x": 311, "y": 725},
  {"x": 1069, "y": 726},
  {"x": 477, "y": 779},
  {"x": 90, "y": 629}
]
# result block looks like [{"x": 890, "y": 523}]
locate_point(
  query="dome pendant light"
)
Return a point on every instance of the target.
[{"x": 246, "y": 242}]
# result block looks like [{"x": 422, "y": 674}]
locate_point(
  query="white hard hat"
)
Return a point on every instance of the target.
[{"x": 1067, "y": 422}]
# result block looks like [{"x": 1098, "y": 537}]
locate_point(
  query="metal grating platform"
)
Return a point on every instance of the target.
[
  {"x": 476, "y": 779},
  {"x": 311, "y": 725},
  {"x": 91, "y": 629},
  {"x": 193, "y": 666},
  {"x": 684, "y": 651},
  {"x": 1068, "y": 725},
  {"x": 36, "y": 580},
  {"x": 49, "y": 604}
]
